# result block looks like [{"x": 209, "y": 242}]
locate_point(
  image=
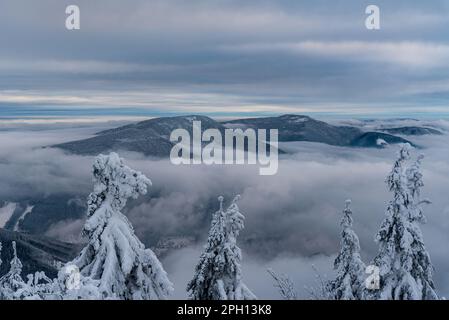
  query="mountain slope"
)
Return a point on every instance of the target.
[
  {"x": 377, "y": 139},
  {"x": 412, "y": 131},
  {"x": 301, "y": 128},
  {"x": 37, "y": 214},
  {"x": 36, "y": 253},
  {"x": 304, "y": 128},
  {"x": 152, "y": 137}
]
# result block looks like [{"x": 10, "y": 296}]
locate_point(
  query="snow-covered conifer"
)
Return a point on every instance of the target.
[
  {"x": 114, "y": 255},
  {"x": 350, "y": 279},
  {"x": 12, "y": 286},
  {"x": 415, "y": 183},
  {"x": 218, "y": 275},
  {"x": 41, "y": 287},
  {"x": 72, "y": 285},
  {"x": 404, "y": 263},
  {"x": 420, "y": 258}
]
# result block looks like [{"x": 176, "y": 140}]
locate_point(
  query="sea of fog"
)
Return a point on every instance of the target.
[{"x": 292, "y": 218}]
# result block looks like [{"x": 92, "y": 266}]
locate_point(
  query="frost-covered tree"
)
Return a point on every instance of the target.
[
  {"x": 350, "y": 279},
  {"x": 12, "y": 286},
  {"x": 41, "y": 287},
  {"x": 72, "y": 285},
  {"x": 218, "y": 275},
  {"x": 284, "y": 284},
  {"x": 204, "y": 284},
  {"x": 403, "y": 261},
  {"x": 114, "y": 255},
  {"x": 415, "y": 183},
  {"x": 319, "y": 290},
  {"x": 420, "y": 257}
]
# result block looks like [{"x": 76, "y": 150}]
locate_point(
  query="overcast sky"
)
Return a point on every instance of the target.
[{"x": 224, "y": 58}]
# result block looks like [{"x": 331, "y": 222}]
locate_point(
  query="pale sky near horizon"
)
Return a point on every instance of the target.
[{"x": 224, "y": 58}]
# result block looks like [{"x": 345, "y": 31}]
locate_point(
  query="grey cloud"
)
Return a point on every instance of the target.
[
  {"x": 181, "y": 266},
  {"x": 172, "y": 47},
  {"x": 67, "y": 230}
]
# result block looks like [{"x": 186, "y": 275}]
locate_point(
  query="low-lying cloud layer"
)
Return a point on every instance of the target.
[{"x": 292, "y": 218}]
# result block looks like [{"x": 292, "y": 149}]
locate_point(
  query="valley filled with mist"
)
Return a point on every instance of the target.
[{"x": 291, "y": 218}]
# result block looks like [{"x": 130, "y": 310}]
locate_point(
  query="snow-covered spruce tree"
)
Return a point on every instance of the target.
[
  {"x": 420, "y": 256},
  {"x": 71, "y": 285},
  {"x": 350, "y": 279},
  {"x": 404, "y": 263},
  {"x": 12, "y": 286},
  {"x": 203, "y": 286},
  {"x": 218, "y": 275},
  {"x": 414, "y": 184},
  {"x": 284, "y": 284},
  {"x": 114, "y": 255}
]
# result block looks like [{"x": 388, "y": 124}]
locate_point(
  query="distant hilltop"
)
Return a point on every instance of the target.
[{"x": 152, "y": 137}]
